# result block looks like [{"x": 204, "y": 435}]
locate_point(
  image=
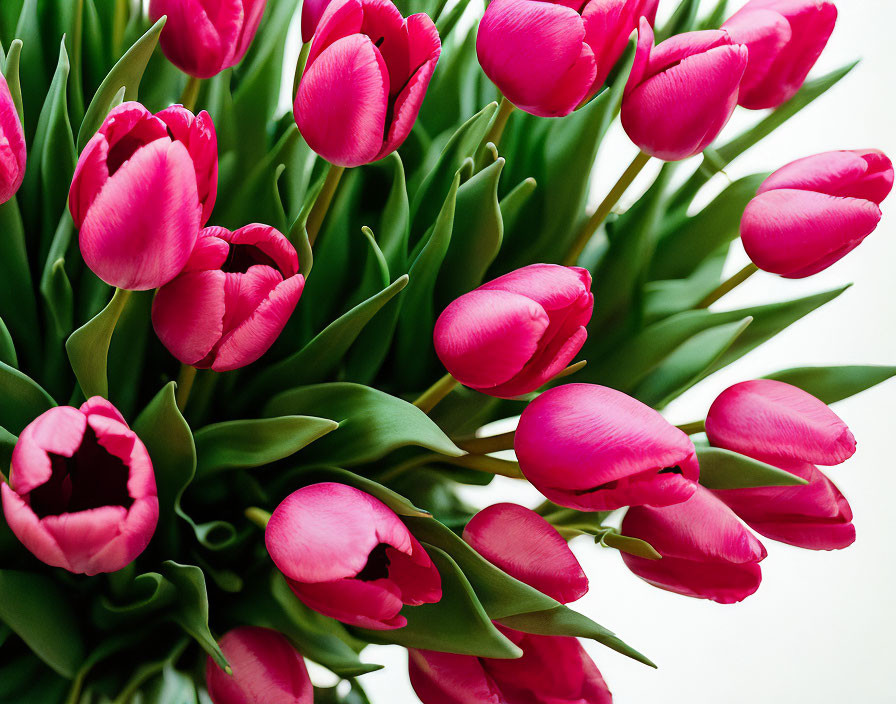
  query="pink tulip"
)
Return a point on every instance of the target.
[
  {"x": 706, "y": 551},
  {"x": 312, "y": 11},
  {"x": 345, "y": 554},
  {"x": 785, "y": 39},
  {"x": 204, "y": 37},
  {"x": 513, "y": 334},
  {"x": 81, "y": 492},
  {"x": 266, "y": 670},
  {"x": 592, "y": 448},
  {"x": 681, "y": 93},
  {"x": 528, "y": 548},
  {"x": 12, "y": 145},
  {"x": 365, "y": 79},
  {"x": 552, "y": 670},
  {"x": 143, "y": 186},
  {"x": 814, "y": 211},
  {"x": 232, "y": 300},
  {"x": 547, "y": 58}
]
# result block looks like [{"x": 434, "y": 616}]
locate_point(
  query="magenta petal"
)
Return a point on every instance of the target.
[
  {"x": 58, "y": 431},
  {"x": 528, "y": 548},
  {"x": 723, "y": 583},
  {"x": 374, "y": 605},
  {"x": 30, "y": 530},
  {"x": 12, "y": 145},
  {"x": 270, "y": 241},
  {"x": 188, "y": 314},
  {"x": 446, "y": 678},
  {"x": 90, "y": 176}
]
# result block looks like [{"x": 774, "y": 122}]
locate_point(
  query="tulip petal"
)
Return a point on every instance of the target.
[
  {"x": 30, "y": 531},
  {"x": 374, "y": 605},
  {"x": 720, "y": 582},
  {"x": 58, "y": 431},
  {"x": 90, "y": 176},
  {"x": 446, "y": 678},
  {"x": 765, "y": 33},
  {"x": 188, "y": 314},
  {"x": 270, "y": 241},
  {"x": 12, "y": 145}
]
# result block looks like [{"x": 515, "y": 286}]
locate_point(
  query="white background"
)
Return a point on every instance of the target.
[{"x": 820, "y": 629}]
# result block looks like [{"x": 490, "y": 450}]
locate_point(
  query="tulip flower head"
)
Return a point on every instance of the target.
[
  {"x": 681, "y": 93},
  {"x": 12, "y": 145},
  {"x": 784, "y": 426},
  {"x": 592, "y": 448},
  {"x": 365, "y": 79},
  {"x": 81, "y": 492},
  {"x": 511, "y": 335},
  {"x": 266, "y": 670},
  {"x": 814, "y": 211},
  {"x": 204, "y": 37},
  {"x": 785, "y": 39},
  {"x": 312, "y": 11},
  {"x": 706, "y": 551},
  {"x": 347, "y": 555},
  {"x": 143, "y": 187},
  {"x": 232, "y": 300},
  {"x": 547, "y": 58}
]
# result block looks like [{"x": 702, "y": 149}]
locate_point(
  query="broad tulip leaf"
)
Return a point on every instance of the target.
[
  {"x": 240, "y": 444},
  {"x": 88, "y": 347},
  {"x": 371, "y": 423},
  {"x": 42, "y": 615},
  {"x": 146, "y": 595},
  {"x": 7, "y": 445},
  {"x": 18, "y": 306},
  {"x": 723, "y": 469},
  {"x": 513, "y": 203},
  {"x": 716, "y": 16},
  {"x": 7, "y": 347},
  {"x": 394, "y": 227},
  {"x": 34, "y": 65},
  {"x": 669, "y": 297},
  {"x": 832, "y": 384},
  {"x": 683, "y": 20},
  {"x": 23, "y": 399},
  {"x": 457, "y": 623}
]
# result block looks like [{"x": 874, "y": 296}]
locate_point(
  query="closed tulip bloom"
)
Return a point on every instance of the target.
[
  {"x": 547, "y": 58},
  {"x": 814, "y": 211},
  {"x": 365, "y": 80},
  {"x": 552, "y": 670},
  {"x": 681, "y": 93},
  {"x": 592, "y": 448},
  {"x": 312, "y": 11},
  {"x": 235, "y": 295},
  {"x": 347, "y": 555},
  {"x": 511, "y": 335},
  {"x": 204, "y": 37},
  {"x": 528, "y": 548},
  {"x": 266, "y": 670},
  {"x": 785, "y": 39},
  {"x": 143, "y": 187},
  {"x": 706, "y": 551},
  {"x": 81, "y": 492},
  {"x": 12, "y": 145}
]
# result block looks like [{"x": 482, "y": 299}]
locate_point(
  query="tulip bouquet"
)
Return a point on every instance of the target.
[{"x": 248, "y": 354}]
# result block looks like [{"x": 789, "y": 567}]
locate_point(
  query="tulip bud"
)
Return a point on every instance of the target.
[
  {"x": 780, "y": 424},
  {"x": 204, "y": 37},
  {"x": 511, "y": 335},
  {"x": 706, "y": 551},
  {"x": 785, "y": 39},
  {"x": 681, "y": 93},
  {"x": 814, "y": 211},
  {"x": 553, "y": 669},
  {"x": 592, "y": 448},
  {"x": 345, "y": 554},
  {"x": 81, "y": 492},
  {"x": 266, "y": 670},
  {"x": 547, "y": 58},
  {"x": 312, "y": 11},
  {"x": 232, "y": 300},
  {"x": 12, "y": 145},
  {"x": 364, "y": 81},
  {"x": 528, "y": 548},
  {"x": 143, "y": 185}
]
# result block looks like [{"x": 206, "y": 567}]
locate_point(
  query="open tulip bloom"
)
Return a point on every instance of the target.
[{"x": 275, "y": 311}]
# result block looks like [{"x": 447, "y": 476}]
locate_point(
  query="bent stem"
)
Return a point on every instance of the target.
[
  {"x": 495, "y": 131},
  {"x": 430, "y": 398},
  {"x": 604, "y": 209},
  {"x": 698, "y": 426},
  {"x": 191, "y": 94},
  {"x": 322, "y": 203},
  {"x": 729, "y": 285},
  {"x": 258, "y": 516},
  {"x": 184, "y": 385},
  {"x": 484, "y": 446}
]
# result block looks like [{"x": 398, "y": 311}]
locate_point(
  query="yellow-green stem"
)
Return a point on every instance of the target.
[
  {"x": 698, "y": 426},
  {"x": 604, "y": 209},
  {"x": 184, "y": 385},
  {"x": 258, "y": 516},
  {"x": 322, "y": 204},
  {"x": 729, "y": 285},
  {"x": 484, "y": 446},
  {"x": 430, "y": 398},
  {"x": 496, "y": 130},
  {"x": 191, "y": 93}
]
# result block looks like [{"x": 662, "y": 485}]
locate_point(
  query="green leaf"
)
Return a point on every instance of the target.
[
  {"x": 512, "y": 204},
  {"x": 127, "y": 72},
  {"x": 43, "y": 616},
  {"x": 18, "y": 306},
  {"x": 723, "y": 469},
  {"x": 7, "y": 348},
  {"x": 11, "y": 73},
  {"x": 457, "y": 623},
  {"x": 7, "y": 445},
  {"x": 23, "y": 399},
  {"x": 371, "y": 423},
  {"x": 683, "y": 20},
  {"x": 832, "y": 384},
  {"x": 88, "y": 347},
  {"x": 629, "y": 545},
  {"x": 240, "y": 444},
  {"x": 34, "y": 62},
  {"x": 395, "y": 220}
]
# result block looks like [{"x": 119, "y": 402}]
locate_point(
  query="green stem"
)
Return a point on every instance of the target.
[
  {"x": 322, "y": 204},
  {"x": 495, "y": 131},
  {"x": 191, "y": 93},
  {"x": 604, "y": 209},
  {"x": 698, "y": 426},
  {"x": 484, "y": 446},
  {"x": 300, "y": 68},
  {"x": 728, "y": 285},
  {"x": 258, "y": 516},
  {"x": 184, "y": 385},
  {"x": 430, "y": 398}
]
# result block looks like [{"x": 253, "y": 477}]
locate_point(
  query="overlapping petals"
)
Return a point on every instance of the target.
[{"x": 12, "y": 145}]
